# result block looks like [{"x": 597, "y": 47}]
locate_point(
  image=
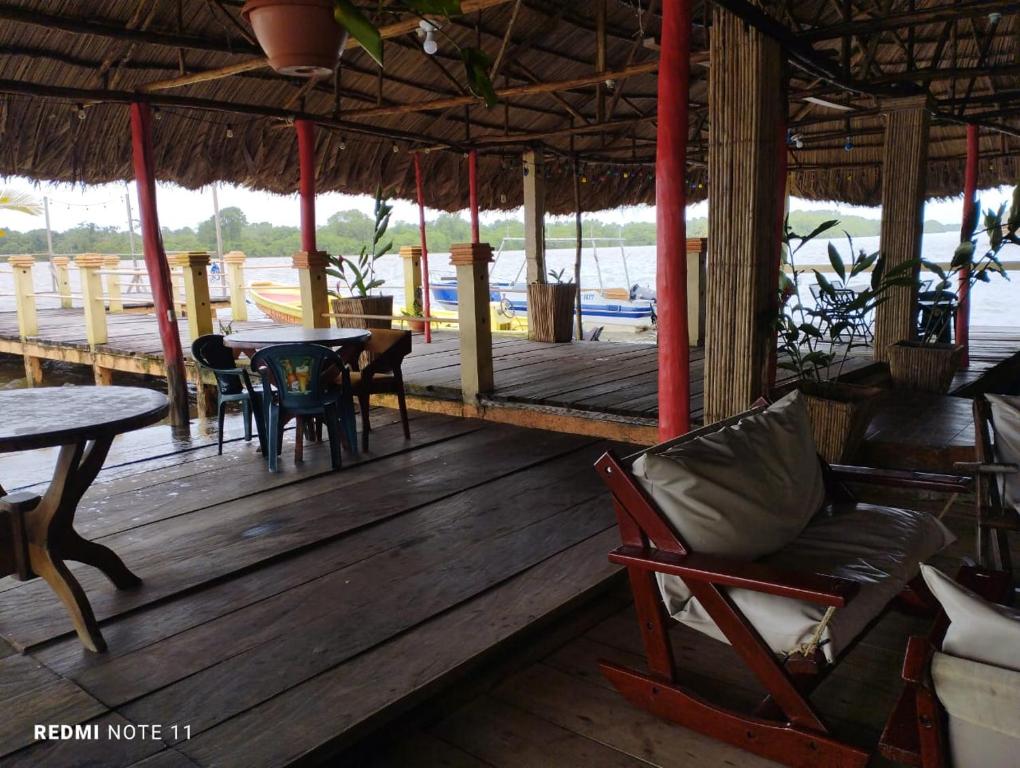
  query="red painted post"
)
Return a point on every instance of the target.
[
  {"x": 156, "y": 263},
  {"x": 781, "y": 170},
  {"x": 306, "y": 163},
  {"x": 671, "y": 228},
  {"x": 473, "y": 194},
  {"x": 970, "y": 214},
  {"x": 426, "y": 304}
]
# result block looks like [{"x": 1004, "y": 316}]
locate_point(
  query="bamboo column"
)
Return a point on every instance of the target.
[
  {"x": 745, "y": 109},
  {"x": 156, "y": 264},
  {"x": 970, "y": 218},
  {"x": 534, "y": 216},
  {"x": 904, "y": 167}
]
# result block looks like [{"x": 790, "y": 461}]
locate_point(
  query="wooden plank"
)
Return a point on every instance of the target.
[
  {"x": 103, "y": 751},
  {"x": 422, "y": 751},
  {"x": 56, "y": 701},
  {"x": 335, "y": 708}
]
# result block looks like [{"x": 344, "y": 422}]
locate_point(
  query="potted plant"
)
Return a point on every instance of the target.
[
  {"x": 358, "y": 276},
  {"x": 930, "y": 362},
  {"x": 551, "y": 309},
  {"x": 815, "y": 342},
  {"x": 416, "y": 326},
  {"x": 307, "y": 37}
]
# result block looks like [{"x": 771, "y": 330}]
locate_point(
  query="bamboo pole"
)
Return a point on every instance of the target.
[
  {"x": 426, "y": 299},
  {"x": 578, "y": 248},
  {"x": 970, "y": 218}
]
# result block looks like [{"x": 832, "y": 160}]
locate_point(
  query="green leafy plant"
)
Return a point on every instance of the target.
[
  {"x": 19, "y": 202},
  {"x": 416, "y": 308},
  {"x": 358, "y": 274},
  {"x": 965, "y": 268},
  {"x": 477, "y": 63},
  {"x": 812, "y": 339},
  {"x": 558, "y": 276}
]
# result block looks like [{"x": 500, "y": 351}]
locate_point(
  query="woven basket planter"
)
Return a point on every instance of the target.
[
  {"x": 840, "y": 414},
  {"x": 363, "y": 305},
  {"x": 923, "y": 367},
  {"x": 551, "y": 311}
]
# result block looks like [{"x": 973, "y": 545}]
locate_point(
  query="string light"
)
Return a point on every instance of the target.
[
  {"x": 156, "y": 114},
  {"x": 342, "y": 144},
  {"x": 395, "y": 149},
  {"x": 230, "y": 132},
  {"x": 81, "y": 112}
]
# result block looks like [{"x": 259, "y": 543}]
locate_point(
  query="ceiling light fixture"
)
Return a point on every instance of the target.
[{"x": 427, "y": 31}]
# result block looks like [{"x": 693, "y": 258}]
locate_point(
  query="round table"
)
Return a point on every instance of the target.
[
  {"x": 265, "y": 337},
  {"x": 40, "y": 530}
]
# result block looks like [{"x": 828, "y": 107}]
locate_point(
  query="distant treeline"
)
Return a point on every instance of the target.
[{"x": 345, "y": 232}]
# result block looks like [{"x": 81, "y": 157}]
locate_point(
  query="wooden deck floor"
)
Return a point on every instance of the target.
[
  {"x": 284, "y": 616},
  {"x": 560, "y": 711}
]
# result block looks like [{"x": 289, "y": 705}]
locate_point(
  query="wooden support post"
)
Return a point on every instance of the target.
[
  {"x": 196, "y": 291},
  {"x": 306, "y": 163},
  {"x": 411, "y": 256},
  {"x": 697, "y": 255},
  {"x": 156, "y": 264},
  {"x": 970, "y": 219},
  {"x": 112, "y": 282},
  {"x": 63, "y": 278},
  {"x": 746, "y": 106},
  {"x": 311, "y": 267},
  {"x": 473, "y": 194},
  {"x": 671, "y": 229},
  {"x": 89, "y": 265},
  {"x": 24, "y": 294},
  {"x": 419, "y": 187},
  {"x": 33, "y": 370},
  {"x": 472, "y": 263},
  {"x": 234, "y": 261},
  {"x": 904, "y": 168},
  {"x": 534, "y": 216},
  {"x": 103, "y": 376}
]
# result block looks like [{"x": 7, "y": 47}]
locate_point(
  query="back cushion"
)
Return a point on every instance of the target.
[
  {"x": 744, "y": 491},
  {"x": 1006, "y": 424}
]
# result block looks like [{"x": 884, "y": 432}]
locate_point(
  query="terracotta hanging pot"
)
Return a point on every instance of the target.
[{"x": 299, "y": 37}]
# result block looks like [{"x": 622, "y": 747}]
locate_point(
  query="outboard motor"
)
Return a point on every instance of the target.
[{"x": 639, "y": 292}]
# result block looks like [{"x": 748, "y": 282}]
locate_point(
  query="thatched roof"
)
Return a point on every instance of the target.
[{"x": 67, "y": 72}]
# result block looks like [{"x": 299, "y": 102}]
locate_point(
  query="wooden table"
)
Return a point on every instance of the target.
[
  {"x": 37, "y": 533},
  {"x": 265, "y": 337}
]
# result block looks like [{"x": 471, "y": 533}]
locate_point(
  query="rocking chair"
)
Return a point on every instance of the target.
[{"x": 790, "y": 610}]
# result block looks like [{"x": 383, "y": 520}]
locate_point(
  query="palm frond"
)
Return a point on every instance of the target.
[{"x": 20, "y": 202}]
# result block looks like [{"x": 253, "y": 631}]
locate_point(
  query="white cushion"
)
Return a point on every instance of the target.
[
  {"x": 878, "y": 547},
  {"x": 978, "y": 630},
  {"x": 1006, "y": 431},
  {"x": 983, "y": 704},
  {"x": 743, "y": 491}
]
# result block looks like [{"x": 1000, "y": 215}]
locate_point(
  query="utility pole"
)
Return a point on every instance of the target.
[
  {"x": 219, "y": 233},
  {"x": 131, "y": 230},
  {"x": 49, "y": 242}
]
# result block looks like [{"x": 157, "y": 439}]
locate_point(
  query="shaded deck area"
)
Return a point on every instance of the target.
[{"x": 285, "y": 616}]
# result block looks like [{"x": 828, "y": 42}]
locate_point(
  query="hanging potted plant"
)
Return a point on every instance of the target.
[
  {"x": 307, "y": 37},
  {"x": 362, "y": 308},
  {"x": 930, "y": 362},
  {"x": 551, "y": 309},
  {"x": 814, "y": 342}
]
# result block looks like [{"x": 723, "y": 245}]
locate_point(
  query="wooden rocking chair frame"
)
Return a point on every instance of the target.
[{"x": 785, "y": 727}]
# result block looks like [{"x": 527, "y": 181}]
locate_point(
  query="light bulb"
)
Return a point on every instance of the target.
[
  {"x": 395, "y": 149},
  {"x": 81, "y": 112},
  {"x": 343, "y": 144},
  {"x": 430, "y": 46},
  {"x": 230, "y": 132}
]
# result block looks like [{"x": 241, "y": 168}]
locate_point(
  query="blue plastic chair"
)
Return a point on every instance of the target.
[
  {"x": 233, "y": 385},
  {"x": 299, "y": 380}
]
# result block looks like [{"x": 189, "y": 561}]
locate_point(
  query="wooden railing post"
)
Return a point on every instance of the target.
[
  {"x": 411, "y": 255},
  {"x": 472, "y": 263},
  {"x": 89, "y": 265},
  {"x": 196, "y": 291},
  {"x": 697, "y": 249},
  {"x": 112, "y": 281},
  {"x": 24, "y": 295},
  {"x": 311, "y": 267},
  {"x": 234, "y": 261},
  {"x": 63, "y": 276}
]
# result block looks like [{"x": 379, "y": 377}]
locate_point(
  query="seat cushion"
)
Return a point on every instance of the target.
[
  {"x": 983, "y": 704},
  {"x": 978, "y": 630},
  {"x": 743, "y": 491},
  {"x": 878, "y": 547},
  {"x": 1006, "y": 431}
]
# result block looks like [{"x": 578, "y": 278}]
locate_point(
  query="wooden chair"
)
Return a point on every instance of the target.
[
  {"x": 786, "y": 727},
  {"x": 384, "y": 353},
  {"x": 994, "y": 516},
  {"x": 915, "y": 733}
]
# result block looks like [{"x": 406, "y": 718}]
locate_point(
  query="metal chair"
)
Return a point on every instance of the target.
[
  {"x": 233, "y": 385},
  {"x": 298, "y": 383}
]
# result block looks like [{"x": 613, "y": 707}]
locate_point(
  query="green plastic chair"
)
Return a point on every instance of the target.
[{"x": 233, "y": 385}]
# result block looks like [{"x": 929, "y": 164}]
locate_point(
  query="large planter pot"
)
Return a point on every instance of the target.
[
  {"x": 923, "y": 367},
  {"x": 363, "y": 305},
  {"x": 840, "y": 414},
  {"x": 299, "y": 37},
  {"x": 551, "y": 311}
]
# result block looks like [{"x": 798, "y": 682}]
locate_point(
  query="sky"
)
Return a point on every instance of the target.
[{"x": 104, "y": 205}]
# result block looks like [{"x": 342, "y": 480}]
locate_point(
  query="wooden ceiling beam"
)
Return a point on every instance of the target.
[
  {"x": 891, "y": 21},
  {"x": 204, "y": 76}
]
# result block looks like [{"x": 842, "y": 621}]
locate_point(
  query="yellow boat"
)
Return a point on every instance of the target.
[{"x": 282, "y": 304}]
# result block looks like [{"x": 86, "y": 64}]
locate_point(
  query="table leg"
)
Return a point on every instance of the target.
[{"x": 52, "y": 538}]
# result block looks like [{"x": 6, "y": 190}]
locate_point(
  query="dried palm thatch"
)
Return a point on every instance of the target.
[{"x": 67, "y": 73}]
